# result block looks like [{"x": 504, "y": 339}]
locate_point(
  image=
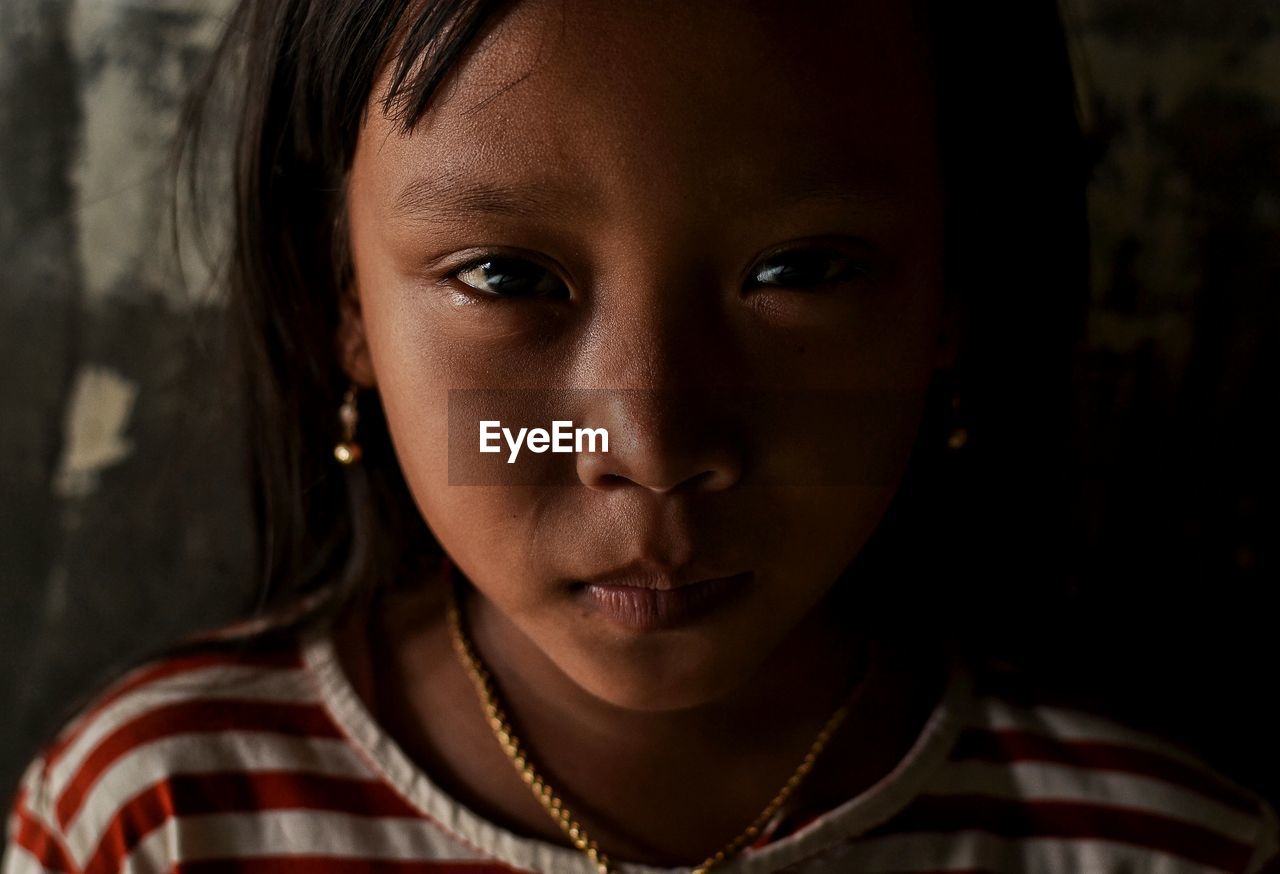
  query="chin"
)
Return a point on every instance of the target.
[
  {"x": 645, "y": 694},
  {"x": 662, "y": 673}
]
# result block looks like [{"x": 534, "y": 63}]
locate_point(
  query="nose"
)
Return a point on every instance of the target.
[
  {"x": 661, "y": 440},
  {"x": 666, "y": 368}
]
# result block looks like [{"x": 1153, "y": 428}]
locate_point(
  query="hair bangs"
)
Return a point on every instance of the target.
[{"x": 432, "y": 39}]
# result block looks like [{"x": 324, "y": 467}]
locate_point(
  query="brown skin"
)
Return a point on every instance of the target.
[{"x": 669, "y": 145}]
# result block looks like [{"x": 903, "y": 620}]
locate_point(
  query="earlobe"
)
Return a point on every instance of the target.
[{"x": 353, "y": 346}]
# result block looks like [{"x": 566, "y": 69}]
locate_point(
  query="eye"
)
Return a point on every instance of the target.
[
  {"x": 505, "y": 276},
  {"x": 806, "y": 268}
]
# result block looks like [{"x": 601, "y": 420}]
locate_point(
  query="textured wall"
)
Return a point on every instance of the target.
[
  {"x": 122, "y": 522},
  {"x": 1180, "y": 392}
]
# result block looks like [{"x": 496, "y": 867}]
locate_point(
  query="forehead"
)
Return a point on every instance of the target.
[{"x": 720, "y": 99}]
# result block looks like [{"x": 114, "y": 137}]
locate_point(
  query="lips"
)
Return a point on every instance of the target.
[
  {"x": 647, "y": 575},
  {"x": 655, "y": 602}
]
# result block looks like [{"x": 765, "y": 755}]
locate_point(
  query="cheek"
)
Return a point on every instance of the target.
[
  {"x": 472, "y": 522},
  {"x": 415, "y": 368},
  {"x": 419, "y": 355},
  {"x": 874, "y": 334},
  {"x": 490, "y": 530},
  {"x": 851, "y": 389}
]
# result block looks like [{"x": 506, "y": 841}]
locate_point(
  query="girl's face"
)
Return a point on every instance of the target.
[{"x": 713, "y": 229}]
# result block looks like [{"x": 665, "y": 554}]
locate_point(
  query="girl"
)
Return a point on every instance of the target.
[{"x": 813, "y": 271}]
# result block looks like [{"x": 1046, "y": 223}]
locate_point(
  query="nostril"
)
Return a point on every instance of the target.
[{"x": 610, "y": 481}]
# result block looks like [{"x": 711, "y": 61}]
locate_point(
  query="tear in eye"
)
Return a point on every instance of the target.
[
  {"x": 807, "y": 268},
  {"x": 509, "y": 277}
]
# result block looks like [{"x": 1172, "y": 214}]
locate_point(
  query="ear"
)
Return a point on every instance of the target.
[
  {"x": 353, "y": 345},
  {"x": 950, "y": 329}
]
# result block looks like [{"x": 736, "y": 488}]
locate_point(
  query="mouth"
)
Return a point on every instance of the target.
[
  {"x": 657, "y": 602},
  {"x": 645, "y": 574}
]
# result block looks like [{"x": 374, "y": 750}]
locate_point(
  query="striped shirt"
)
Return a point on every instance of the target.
[{"x": 230, "y": 758}]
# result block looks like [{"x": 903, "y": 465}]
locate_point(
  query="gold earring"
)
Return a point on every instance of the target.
[{"x": 348, "y": 451}]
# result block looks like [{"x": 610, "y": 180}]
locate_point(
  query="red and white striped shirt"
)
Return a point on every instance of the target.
[{"x": 227, "y": 758}]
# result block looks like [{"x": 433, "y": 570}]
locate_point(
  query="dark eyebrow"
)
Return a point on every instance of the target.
[{"x": 446, "y": 195}]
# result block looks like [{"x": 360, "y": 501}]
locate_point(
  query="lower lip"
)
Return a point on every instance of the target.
[{"x": 643, "y": 609}]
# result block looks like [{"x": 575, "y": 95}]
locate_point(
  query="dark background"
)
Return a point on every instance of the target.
[{"x": 122, "y": 519}]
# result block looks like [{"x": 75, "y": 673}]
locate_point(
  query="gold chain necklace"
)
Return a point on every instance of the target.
[{"x": 551, "y": 802}]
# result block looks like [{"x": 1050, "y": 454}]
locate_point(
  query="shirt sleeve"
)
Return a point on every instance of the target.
[{"x": 34, "y": 843}]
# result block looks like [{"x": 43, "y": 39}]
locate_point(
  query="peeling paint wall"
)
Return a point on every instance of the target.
[
  {"x": 122, "y": 521},
  {"x": 93, "y": 438}
]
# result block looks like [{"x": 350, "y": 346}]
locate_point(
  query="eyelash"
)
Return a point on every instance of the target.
[
  {"x": 491, "y": 258},
  {"x": 848, "y": 269}
]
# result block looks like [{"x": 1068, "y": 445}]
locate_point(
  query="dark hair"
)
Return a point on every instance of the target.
[
  {"x": 299, "y": 74},
  {"x": 1017, "y": 252},
  {"x": 1002, "y": 517}
]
